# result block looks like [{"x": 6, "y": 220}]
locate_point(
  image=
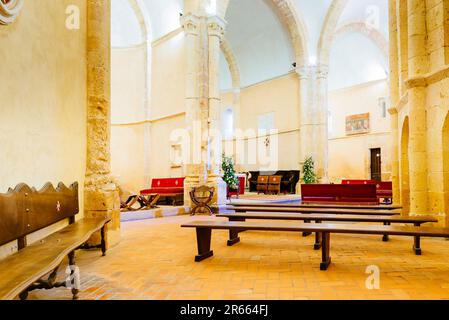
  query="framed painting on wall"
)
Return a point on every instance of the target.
[{"x": 358, "y": 124}]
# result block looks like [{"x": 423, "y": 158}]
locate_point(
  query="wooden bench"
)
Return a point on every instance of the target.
[
  {"x": 339, "y": 193},
  {"x": 316, "y": 210},
  {"x": 319, "y": 218},
  {"x": 25, "y": 210},
  {"x": 317, "y": 205},
  {"x": 204, "y": 233}
]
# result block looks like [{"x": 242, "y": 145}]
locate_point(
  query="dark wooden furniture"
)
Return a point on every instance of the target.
[
  {"x": 339, "y": 193},
  {"x": 319, "y": 218},
  {"x": 204, "y": 233},
  {"x": 274, "y": 184},
  {"x": 25, "y": 210},
  {"x": 167, "y": 188},
  {"x": 144, "y": 202},
  {"x": 262, "y": 184},
  {"x": 201, "y": 198},
  {"x": 315, "y": 210},
  {"x": 289, "y": 180},
  {"x": 324, "y": 206}
]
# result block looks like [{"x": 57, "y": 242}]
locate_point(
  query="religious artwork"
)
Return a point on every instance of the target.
[
  {"x": 358, "y": 124},
  {"x": 9, "y": 9}
]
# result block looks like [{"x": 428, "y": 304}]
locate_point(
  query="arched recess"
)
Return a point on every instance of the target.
[
  {"x": 327, "y": 33},
  {"x": 292, "y": 21},
  {"x": 446, "y": 166},
  {"x": 405, "y": 169},
  {"x": 232, "y": 63},
  {"x": 371, "y": 33},
  {"x": 235, "y": 75},
  {"x": 141, "y": 13},
  {"x": 131, "y": 97}
]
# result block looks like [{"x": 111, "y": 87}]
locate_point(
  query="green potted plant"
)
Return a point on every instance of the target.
[
  {"x": 309, "y": 175},
  {"x": 229, "y": 175}
]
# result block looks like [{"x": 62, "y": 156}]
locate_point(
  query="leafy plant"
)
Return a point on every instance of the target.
[
  {"x": 309, "y": 176},
  {"x": 229, "y": 172}
]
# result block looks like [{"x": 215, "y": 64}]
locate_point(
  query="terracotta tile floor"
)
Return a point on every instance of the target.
[{"x": 155, "y": 261}]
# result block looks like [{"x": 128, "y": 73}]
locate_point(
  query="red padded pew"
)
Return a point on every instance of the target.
[
  {"x": 171, "y": 186},
  {"x": 339, "y": 193},
  {"x": 384, "y": 189}
]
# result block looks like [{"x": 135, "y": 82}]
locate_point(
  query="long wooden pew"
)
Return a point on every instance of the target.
[
  {"x": 316, "y": 210},
  {"x": 319, "y": 218},
  {"x": 313, "y": 205},
  {"x": 204, "y": 233}
]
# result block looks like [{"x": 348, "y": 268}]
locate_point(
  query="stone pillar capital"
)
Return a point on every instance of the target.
[
  {"x": 216, "y": 26},
  {"x": 303, "y": 72},
  {"x": 393, "y": 111},
  {"x": 190, "y": 23},
  {"x": 322, "y": 71}
]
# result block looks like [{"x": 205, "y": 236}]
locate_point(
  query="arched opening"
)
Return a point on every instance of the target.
[
  {"x": 130, "y": 85},
  {"x": 227, "y": 123},
  {"x": 446, "y": 166},
  {"x": 405, "y": 178}
]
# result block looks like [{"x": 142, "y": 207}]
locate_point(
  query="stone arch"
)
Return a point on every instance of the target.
[
  {"x": 405, "y": 168},
  {"x": 293, "y": 22},
  {"x": 371, "y": 33},
  {"x": 232, "y": 63},
  {"x": 446, "y": 166},
  {"x": 327, "y": 33},
  {"x": 142, "y": 16}
]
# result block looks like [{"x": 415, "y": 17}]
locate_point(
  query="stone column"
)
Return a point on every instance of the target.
[
  {"x": 394, "y": 99},
  {"x": 305, "y": 112},
  {"x": 215, "y": 31},
  {"x": 101, "y": 197},
  {"x": 191, "y": 26},
  {"x": 418, "y": 65},
  {"x": 321, "y": 123}
]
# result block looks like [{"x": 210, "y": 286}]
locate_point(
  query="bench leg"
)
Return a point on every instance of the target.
[
  {"x": 72, "y": 262},
  {"x": 385, "y": 238},
  {"x": 417, "y": 246},
  {"x": 325, "y": 258},
  {"x": 103, "y": 241},
  {"x": 318, "y": 236},
  {"x": 203, "y": 237},
  {"x": 233, "y": 237},
  {"x": 306, "y": 234},
  {"x": 234, "y": 234}
]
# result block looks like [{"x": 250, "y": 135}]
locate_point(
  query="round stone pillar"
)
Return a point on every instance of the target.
[
  {"x": 417, "y": 65},
  {"x": 101, "y": 197},
  {"x": 321, "y": 115},
  {"x": 394, "y": 99}
]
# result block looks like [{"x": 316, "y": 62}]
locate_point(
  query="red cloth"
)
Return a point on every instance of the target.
[{"x": 166, "y": 186}]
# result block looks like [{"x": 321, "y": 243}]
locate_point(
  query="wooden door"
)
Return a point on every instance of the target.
[{"x": 376, "y": 164}]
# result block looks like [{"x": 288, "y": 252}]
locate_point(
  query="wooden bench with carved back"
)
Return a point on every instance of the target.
[{"x": 26, "y": 210}]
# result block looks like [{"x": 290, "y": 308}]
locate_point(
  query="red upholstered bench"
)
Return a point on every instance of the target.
[
  {"x": 339, "y": 193},
  {"x": 384, "y": 189},
  {"x": 169, "y": 187}
]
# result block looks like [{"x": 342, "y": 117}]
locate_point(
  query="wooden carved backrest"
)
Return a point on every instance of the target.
[
  {"x": 262, "y": 179},
  {"x": 275, "y": 179},
  {"x": 25, "y": 210},
  {"x": 203, "y": 192}
]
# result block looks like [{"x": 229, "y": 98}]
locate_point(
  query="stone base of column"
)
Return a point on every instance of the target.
[
  {"x": 219, "y": 200},
  {"x": 104, "y": 203}
]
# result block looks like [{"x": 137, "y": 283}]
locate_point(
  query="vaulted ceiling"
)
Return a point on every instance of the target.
[{"x": 261, "y": 43}]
